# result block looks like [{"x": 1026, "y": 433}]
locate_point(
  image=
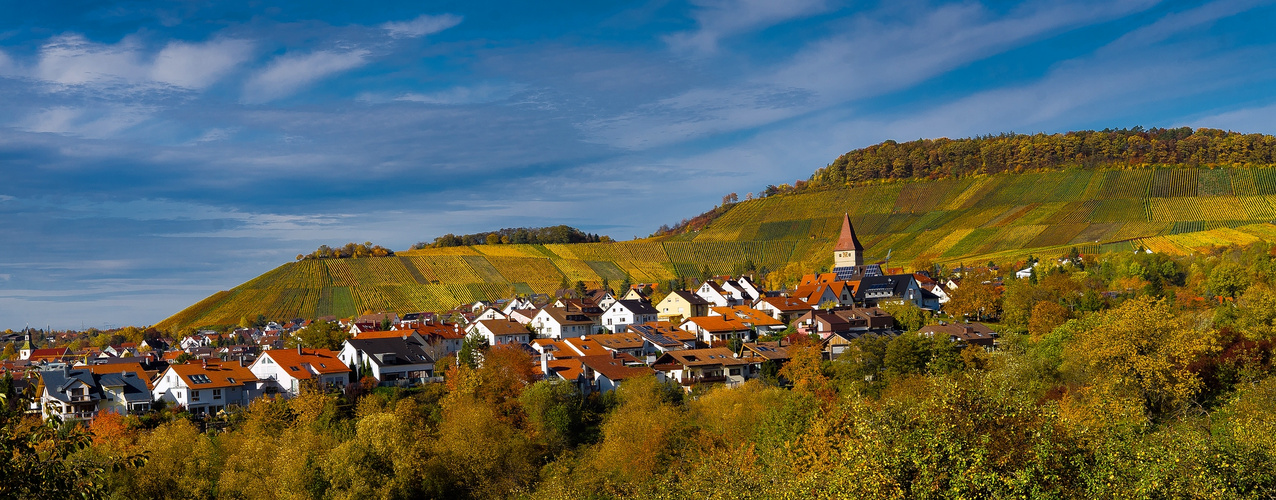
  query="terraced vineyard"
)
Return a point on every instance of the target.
[{"x": 999, "y": 218}]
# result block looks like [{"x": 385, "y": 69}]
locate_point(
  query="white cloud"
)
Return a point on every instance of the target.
[
  {"x": 196, "y": 66},
  {"x": 289, "y": 73},
  {"x": 871, "y": 58},
  {"x": 93, "y": 123},
  {"x": 476, "y": 94},
  {"x": 72, "y": 59},
  {"x": 214, "y": 135},
  {"x": 6, "y": 64},
  {"x": 1248, "y": 120},
  {"x": 5, "y": 197},
  {"x": 718, "y": 19},
  {"x": 424, "y": 25}
]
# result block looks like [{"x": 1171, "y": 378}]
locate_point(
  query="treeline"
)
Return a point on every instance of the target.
[
  {"x": 349, "y": 251},
  {"x": 519, "y": 235},
  {"x": 1158, "y": 385},
  {"x": 945, "y": 158}
]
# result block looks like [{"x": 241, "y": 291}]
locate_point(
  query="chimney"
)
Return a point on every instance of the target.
[
  {"x": 298, "y": 349},
  {"x": 613, "y": 354},
  {"x": 545, "y": 363},
  {"x": 205, "y": 363}
]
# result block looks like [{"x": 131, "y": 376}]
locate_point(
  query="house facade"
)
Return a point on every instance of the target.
[
  {"x": 285, "y": 370},
  {"x": 206, "y": 388}
]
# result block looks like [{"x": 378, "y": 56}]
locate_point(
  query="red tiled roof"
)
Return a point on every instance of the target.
[
  {"x": 847, "y": 240},
  {"x": 219, "y": 375},
  {"x": 322, "y": 361}
]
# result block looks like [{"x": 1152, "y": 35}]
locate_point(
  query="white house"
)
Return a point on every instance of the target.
[
  {"x": 558, "y": 323},
  {"x": 284, "y": 370},
  {"x": 717, "y": 296},
  {"x": 500, "y": 331},
  {"x": 206, "y": 388},
  {"x": 623, "y": 313},
  {"x": 388, "y": 359},
  {"x": 490, "y": 313},
  {"x": 517, "y": 303}
]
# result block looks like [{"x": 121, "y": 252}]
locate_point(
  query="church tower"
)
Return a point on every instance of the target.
[{"x": 848, "y": 252}]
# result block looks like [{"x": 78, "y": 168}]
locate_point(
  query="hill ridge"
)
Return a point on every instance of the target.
[{"x": 999, "y": 217}]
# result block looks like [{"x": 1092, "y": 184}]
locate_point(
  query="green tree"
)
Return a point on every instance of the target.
[
  {"x": 1228, "y": 279},
  {"x": 580, "y": 289},
  {"x": 319, "y": 335},
  {"x": 908, "y": 316}
]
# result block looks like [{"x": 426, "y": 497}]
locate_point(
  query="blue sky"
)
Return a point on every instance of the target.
[{"x": 152, "y": 153}]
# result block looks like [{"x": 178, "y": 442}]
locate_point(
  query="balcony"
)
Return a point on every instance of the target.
[{"x": 703, "y": 380}]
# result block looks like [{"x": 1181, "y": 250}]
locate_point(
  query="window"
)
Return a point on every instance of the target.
[
  {"x": 217, "y": 394},
  {"x": 735, "y": 371},
  {"x": 200, "y": 379},
  {"x": 194, "y": 395}
]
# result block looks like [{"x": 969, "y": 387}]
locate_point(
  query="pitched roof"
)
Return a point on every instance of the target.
[
  {"x": 767, "y": 350},
  {"x": 134, "y": 368},
  {"x": 718, "y": 323},
  {"x": 847, "y": 240},
  {"x": 444, "y": 330},
  {"x": 614, "y": 367},
  {"x": 308, "y": 362},
  {"x": 690, "y": 297},
  {"x": 787, "y": 304},
  {"x": 747, "y": 316},
  {"x": 198, "y": 376},
  {"x": 625, "y": 340},
  {"x": 50, "y": 353},
  {"x": 702, "y": 357},
  {"x": 636, "y": 306},
  {"x": 564, "y": 317},
  {"x": 504, "y": 327},
  {"x": 662, "y": 333},
  {"x": 392, "y": 351}
]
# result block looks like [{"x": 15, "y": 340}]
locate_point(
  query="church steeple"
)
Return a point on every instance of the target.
[{"x": 848, "y": 252}]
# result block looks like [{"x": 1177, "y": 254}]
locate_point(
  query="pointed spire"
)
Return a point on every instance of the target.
[{"x": 848, "y": 241}]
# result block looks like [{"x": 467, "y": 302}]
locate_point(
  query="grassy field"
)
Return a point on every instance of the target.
[{"x": 999, "y": 218}]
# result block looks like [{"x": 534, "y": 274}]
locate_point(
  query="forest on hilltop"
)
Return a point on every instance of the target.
[{"x": 992, "y": 154}]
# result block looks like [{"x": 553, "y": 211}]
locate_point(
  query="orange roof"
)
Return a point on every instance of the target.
[
  {"x": 217, "y": 375},
  {"x": 614, "y": 367},
  {"x": 718, "y": 323},
  {"x": 384, "y": 334},
  {"x": 569, "y": 369},
  {"x": 787, "y": 304},
  {"x": 304, "y": 364},
  {"x": 504, "y": 327},
  {"x": 816, "y": 279},
  {"x": 135, "y": 368},
  {"x": 747, "y": 314},
  {"x": 626, "y": 340}
]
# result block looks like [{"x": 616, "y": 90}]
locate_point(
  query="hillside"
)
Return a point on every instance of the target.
[{"x": 1001, "y": 218}]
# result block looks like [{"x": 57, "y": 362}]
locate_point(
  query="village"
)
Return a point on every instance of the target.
[{"x": 727, "y": 330}]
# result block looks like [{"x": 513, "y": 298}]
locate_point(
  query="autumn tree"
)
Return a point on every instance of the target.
[
  {"x": 319, "y": 335},
  {"x": 1046, "y": 316},
  {"x": 1142, "y": 349},
  {"x": 978, "y": 297}
]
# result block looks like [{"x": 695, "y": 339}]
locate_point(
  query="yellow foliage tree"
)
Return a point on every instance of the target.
[{"x": 1142, "y": 349}]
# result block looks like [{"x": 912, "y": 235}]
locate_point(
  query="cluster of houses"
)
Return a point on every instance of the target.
[{"x": 726, "y": 331}]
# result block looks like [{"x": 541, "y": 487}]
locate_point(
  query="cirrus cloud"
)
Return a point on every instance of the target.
[{"x": 288, "y": 74}]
